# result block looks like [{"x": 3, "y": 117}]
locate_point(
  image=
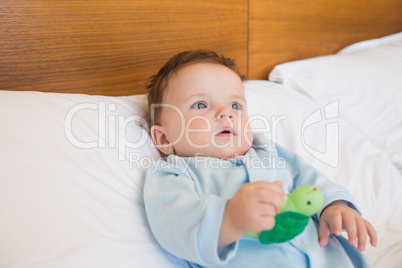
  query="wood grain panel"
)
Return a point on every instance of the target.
[
  {"x": 287, "y": 30},
  {"x": 110, "y": 47}
]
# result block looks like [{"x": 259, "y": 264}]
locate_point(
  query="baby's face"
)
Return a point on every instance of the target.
[{"x": 204, "y": 113}]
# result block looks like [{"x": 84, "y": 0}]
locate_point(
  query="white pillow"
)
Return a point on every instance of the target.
[
  {"x": 366, "y": 80},
  {"x": 72, "y": 197},
  {"x": 397, "y": 37},
  {"x": 293, "y": 121}
]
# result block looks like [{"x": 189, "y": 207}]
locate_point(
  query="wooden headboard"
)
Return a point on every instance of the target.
[{"x": 112, "y": 47}]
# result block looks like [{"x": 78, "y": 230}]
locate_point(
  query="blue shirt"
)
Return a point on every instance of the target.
[{"x": 185, "y": 199}]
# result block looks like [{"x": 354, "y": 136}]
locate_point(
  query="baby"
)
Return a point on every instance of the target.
[{"x": 211, "y": 188}]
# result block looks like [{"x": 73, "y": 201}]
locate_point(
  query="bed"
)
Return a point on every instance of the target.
[{"x": 324, "y": 81}]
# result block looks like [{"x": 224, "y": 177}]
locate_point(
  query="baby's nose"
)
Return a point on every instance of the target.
[
  {"x": 223, "y": 113},
  {"x": 223, "y": 116}
]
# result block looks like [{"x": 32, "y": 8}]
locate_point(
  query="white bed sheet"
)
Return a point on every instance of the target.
[
  {"x": 64, "y": 205},
  {"x": 362, "y": 168}
]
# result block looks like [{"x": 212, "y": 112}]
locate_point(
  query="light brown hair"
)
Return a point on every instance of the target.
[{"x": 157, "y": 84}]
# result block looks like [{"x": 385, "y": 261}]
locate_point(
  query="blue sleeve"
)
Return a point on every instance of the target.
[
  {"x": 305, "y": 174},
  {"x": 184, "y": 223}
]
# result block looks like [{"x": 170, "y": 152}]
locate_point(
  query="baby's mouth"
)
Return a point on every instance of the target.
[{"x": 226, "y": 132}]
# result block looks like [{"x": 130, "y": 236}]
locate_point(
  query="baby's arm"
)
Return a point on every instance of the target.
[
  {"x": 251, "y": 209},
  {"x": 337, "y": 215},
  {"x": 184, "y": 223}
]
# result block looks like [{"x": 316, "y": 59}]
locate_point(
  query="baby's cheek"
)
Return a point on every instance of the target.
[
  {"x": 246, "y": 138},
  {"x": 198, "y": 122},
  {"x": 174, "y": 123},
  {"x": 199, "y": 125},
  {"x": 198, "y": 131}
]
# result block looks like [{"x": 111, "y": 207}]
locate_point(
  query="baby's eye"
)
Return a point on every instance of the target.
[
  {"x": 199, "y": 105},
  {"x": 236, "y": 106}
]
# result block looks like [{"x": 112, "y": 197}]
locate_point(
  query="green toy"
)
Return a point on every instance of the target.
[{"x": 294, "y": 215}]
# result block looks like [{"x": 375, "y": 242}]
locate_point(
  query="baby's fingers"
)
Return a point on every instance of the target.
[
  {"x": 361, "y": 234},
  {"x": 323, "y": 234},
  {"x": 364, "y": 228},
  {"x": 372, "y": 234},
  {"x": 351, "y": 227},
  {"x": 336, "y": 227}
]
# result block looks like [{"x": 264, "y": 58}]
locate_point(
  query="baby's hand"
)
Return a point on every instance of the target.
[
  {"x": 337, "y": 216},
  {"x": 251, "y": 209}
]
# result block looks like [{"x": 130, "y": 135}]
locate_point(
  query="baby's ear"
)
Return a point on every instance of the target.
[{"x": 160, "y": 140}]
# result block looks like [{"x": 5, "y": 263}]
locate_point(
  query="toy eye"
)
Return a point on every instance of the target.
[{"x": 308, "y": 203}]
